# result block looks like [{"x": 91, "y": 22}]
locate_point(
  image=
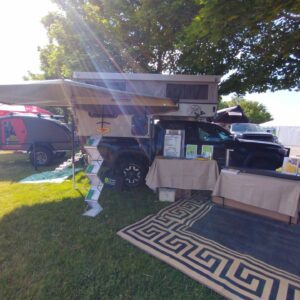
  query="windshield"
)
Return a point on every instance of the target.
[{"x": 246, "y": 127}]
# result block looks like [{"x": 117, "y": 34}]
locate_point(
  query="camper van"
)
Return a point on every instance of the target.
[{"x": 22, "y": 132}]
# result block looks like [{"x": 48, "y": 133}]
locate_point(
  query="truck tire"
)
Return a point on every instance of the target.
[
  {"x": 44, "y": 156},
  {"x": 133, "y": 173}
]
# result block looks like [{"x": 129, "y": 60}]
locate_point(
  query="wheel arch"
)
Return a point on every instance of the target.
[{"x": 132, "y": 156}]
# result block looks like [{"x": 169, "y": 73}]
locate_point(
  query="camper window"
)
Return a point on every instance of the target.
[
  {"x": 114, "y": 85},
  {"x": 139, "y": 125},
  {"x": 187, "y": 91}
]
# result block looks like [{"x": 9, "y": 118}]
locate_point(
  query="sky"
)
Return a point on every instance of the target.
[{"x": 21, "y": 32}]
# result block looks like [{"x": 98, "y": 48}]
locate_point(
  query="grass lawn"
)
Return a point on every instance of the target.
[{"x": 49, "y": 251}]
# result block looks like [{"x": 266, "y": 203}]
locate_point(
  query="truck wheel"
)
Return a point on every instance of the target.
[
  {"x": 133, "y": 172},
  {"x": 43, "y": 156}
]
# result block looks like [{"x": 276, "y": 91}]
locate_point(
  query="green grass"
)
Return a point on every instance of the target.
[{"x": 49, "y": 251}]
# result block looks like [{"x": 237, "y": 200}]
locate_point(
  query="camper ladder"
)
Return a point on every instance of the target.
[{"x": 92, "y": 172}]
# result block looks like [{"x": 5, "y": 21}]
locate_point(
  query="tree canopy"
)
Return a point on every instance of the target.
[
  {"x": 256, "y": 112},
  {"x": 256, "y": 43}
]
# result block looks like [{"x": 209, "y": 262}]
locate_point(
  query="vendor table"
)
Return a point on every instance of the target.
[
  {"x": 182, "y": 174},
  {"x": 277, "y": 198}
]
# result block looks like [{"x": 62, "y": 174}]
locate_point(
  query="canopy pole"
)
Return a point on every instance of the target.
[{"x": 73, "y": 151}]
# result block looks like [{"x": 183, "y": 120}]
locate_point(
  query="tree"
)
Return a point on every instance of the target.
[
  {"x": 119, "y": 35},
  {"x": 256, "y": 112},
  {"x": 256, "y": 43}
]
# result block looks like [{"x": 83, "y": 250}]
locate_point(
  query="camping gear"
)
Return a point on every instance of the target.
[
  {"x": 223, "y": 249},
  {"x": 234, "y": 114}
]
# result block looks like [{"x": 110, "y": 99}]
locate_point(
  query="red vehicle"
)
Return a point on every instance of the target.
[
  {"x": 48, "y": 137},
  {"x": 6, "y": 109}
]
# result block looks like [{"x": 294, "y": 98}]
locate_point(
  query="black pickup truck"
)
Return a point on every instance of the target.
[{"x": 131, "y": 157}]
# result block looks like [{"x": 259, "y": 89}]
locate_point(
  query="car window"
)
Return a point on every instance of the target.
[
  {"x": 246, "y": 127},
  {"x": 208, "y": 133}
]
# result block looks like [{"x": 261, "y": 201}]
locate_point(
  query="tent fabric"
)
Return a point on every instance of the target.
[
  {"x": 67, "y": 93},
  {"x": 234, "y": 114}
]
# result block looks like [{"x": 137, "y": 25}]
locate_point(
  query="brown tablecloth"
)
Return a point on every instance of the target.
[
  {"x": 274, "y": 194},
  {"x": 182, "y": 174}
]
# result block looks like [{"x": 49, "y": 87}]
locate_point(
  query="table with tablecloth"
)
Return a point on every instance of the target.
[
  {"x": 270, "y": 196},
  {"x": 189, "y": 174}
]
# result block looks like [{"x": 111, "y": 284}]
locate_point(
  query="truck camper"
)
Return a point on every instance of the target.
[{"x": 124, "y": 117}]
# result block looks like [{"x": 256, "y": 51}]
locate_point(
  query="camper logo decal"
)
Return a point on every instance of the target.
[
  {"x": 103, "y": 130},
  {"x": 197, "y": 111}
]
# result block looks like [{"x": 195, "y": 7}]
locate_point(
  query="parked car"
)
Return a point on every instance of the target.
[
  {"x": 132, "y": 157},
  {"x": 47, "y": 136},
  {"x": 252, "y": 131}
]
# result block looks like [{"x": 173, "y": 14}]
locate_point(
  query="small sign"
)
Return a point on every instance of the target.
[
  {"x": 291, "y": 166},
  {"x": 191, "y": 151},
  {"x": 207, "y": 151}
]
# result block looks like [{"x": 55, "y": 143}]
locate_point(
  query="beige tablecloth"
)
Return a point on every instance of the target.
[
  {"x": 275, "y": 194},
  {"x": 182, "y": 174}
]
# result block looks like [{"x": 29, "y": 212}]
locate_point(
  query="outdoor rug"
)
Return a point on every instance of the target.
[{"x": 238, "y": 255}]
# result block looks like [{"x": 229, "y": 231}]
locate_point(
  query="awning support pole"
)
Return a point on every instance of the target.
[
  {"x": 34, "y": 156},
  {"x": 73, "y": 151}
]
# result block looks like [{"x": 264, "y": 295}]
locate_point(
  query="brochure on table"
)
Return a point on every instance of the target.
[{"x": 207, "y": 151}]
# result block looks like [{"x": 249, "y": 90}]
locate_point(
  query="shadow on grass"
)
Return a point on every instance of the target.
[{"x": 49, "y": 251}]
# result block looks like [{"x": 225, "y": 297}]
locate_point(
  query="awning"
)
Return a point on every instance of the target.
[{"x": 68, "y": 93}]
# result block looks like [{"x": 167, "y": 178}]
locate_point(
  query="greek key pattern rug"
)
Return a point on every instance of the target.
[{"x": 183, "y": 236}]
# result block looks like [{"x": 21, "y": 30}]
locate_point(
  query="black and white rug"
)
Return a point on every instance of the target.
[{"x": 238, "y": 255}]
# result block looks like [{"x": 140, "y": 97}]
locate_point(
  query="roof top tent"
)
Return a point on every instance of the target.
[
  {"x": 194, "y": 96},
  {"x": 234, "y": 114}
]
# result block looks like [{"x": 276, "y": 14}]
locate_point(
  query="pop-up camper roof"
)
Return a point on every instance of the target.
[{"x": 195, "y": 95}]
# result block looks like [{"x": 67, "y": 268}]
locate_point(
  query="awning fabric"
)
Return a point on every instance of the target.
[{"x": 68, "y": 93}]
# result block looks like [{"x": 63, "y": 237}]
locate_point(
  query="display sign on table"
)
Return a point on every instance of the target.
[
  {"x": 207, "y": 151},
  {"x": 291, "y": 166},
  {"x": 191, "y": 151},
  {"x": 174, "y": 143}
]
